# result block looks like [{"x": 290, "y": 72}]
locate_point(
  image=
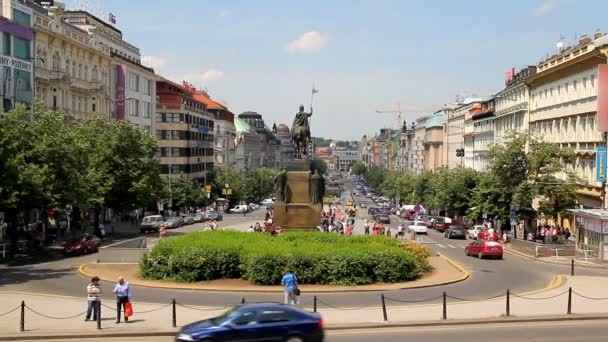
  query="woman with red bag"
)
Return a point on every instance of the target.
[{"x": 123, "y": 298}]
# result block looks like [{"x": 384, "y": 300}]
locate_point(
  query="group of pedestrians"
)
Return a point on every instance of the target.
[
  {"x": 122, "y": 290},
  {"x": 550, "y": 234}
]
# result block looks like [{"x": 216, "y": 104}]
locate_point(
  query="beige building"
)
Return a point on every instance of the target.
[
  {"x": 73, "y": 73},
  {"x": 512, "y": 105},
  {"x": 454, "y": 131},
  {"x": 563, "y": 107},
  {"x": 433, "y": 141},
  {"x": 418, "y": 146}
]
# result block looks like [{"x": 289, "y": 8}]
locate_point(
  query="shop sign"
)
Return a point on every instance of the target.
[{"x": 600, "y": 162}]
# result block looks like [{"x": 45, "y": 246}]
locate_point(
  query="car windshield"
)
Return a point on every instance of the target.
[
  {"x": 149, "y": 219},
  {"x": 460, "y": 228}
]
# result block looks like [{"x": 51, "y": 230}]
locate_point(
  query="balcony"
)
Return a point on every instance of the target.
[
  {"x": 86, "y": 85},
  {"x": 433, "y": 141},
  {"x": 51, "y": 75}
]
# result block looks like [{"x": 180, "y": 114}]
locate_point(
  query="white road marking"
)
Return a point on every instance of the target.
[
  {"x": 440, "y": 245},
  {"x": 452, "y": 246}
]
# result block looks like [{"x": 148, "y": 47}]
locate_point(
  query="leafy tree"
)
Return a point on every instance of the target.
[
  {"x": 318, "y": 163},
  {"x": 359, "y": 168},
  {"x": 452, "y": 189}
]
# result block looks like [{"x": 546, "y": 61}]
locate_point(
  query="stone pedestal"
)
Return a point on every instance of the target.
[{"x": 298, "y": 213}]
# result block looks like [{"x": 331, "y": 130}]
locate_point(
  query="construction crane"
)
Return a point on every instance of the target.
[{"x": 400, "y": 110}]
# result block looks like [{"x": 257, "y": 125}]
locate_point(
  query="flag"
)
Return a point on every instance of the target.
[
  {"x": 112, "y": 18},
  {"x": 314, "y": 91}
]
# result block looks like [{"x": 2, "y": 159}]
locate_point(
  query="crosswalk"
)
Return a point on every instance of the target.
[{"x": 447, "y": 245}]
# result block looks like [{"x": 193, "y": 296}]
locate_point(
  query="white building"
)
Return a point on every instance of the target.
[
  {"x": 512, "y": 105},
  {"x": 563, "y": 108},
  {"x": 483, "y": 134},
  {"x": 346, "y": 157},
  {"x": 455, "y": 128}
]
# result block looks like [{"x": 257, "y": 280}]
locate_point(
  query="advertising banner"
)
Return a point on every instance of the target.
[
  {"x": 600, "y": 164},
  {"x": 120, "y": 92}
]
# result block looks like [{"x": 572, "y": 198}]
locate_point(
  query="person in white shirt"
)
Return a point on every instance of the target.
[{"x": 400, "y": 231}]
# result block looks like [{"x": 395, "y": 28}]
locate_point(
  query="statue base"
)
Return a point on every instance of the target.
[{"x": 299, "y": 213}]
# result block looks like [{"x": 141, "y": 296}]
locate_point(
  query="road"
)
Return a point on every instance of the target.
[
  {"x": 580, "y": 331},
  {"x": 488, "y": 278}
]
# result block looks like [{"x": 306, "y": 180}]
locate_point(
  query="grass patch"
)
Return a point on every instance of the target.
[{"x": 317, "y": 258}]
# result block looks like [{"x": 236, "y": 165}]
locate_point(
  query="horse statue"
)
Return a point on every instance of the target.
[{"x": 300, "y": 133}]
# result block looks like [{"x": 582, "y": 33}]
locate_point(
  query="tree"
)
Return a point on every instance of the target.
[
  {"x": 358, "y": 168},
  {"x": 318, "y": 163},
  {"x": 452, "y": 189}
]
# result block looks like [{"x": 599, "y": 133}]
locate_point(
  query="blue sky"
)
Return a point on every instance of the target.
[{"x": 362, "y": 55}]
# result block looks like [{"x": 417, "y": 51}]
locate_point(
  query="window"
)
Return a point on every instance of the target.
[
  {"x": 23, "y": 85},
  {"x": 134, "y": 107},
  {"x": 133, "y": 82},
  {"x": 21, "y": 17},
  {"x": 147, "y": 109},
  {"x": 6, "y": 43},
  {"x": 22, "y": 48},
  {"x": 273, "y": 316},
  {"x": 145, "y": 86},
  {"x": 93, "y": 107}
]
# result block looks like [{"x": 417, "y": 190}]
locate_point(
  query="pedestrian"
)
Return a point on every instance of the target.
[
  {"x": 548, "y": 236},
  {"x": 400, "y": 231},
  {"x": 349, "y": 230},
  {"x": 122, "y": 290},
  {"x": 290, "y": 283},
  {"x": 366, "y": 227},
  {"x": 102, "y": 230},
  {"x": 388, "y": 231},
  {"x": 566, "y": 233},
  {"x": 93, "y": 297}
]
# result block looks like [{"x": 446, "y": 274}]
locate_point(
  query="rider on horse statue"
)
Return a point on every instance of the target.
[{"x": 300, "y": 132}]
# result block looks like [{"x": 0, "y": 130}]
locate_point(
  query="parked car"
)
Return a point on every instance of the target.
[
  {"x": 362, "y": 205},
  {"x": 257, "y": 322},
  {"x": 473, "y": 232},
  {"x": 267, "y": 201},
  {"x": 215, "y": 215},
  {"x": 382, "y": 218},
  {"x": 188, "y": 220},
  {"x": 483, "y": 248},
  {"x": 151, "y": 223},
  {"x": 455, "y": 232},
  {"x": 84, "y": 245},
  {"x": 441, "y": 223},
  {"x": 355, "y": 193},
  {"x": 199, "y": 217},
  {"x": 241, "y": 208},
  {"x": 371, "y": 211},
  {"x": 174, "y": 222},
  {"x": 420, "y": 227}
]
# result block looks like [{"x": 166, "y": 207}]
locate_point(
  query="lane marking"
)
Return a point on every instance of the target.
[
  {"x": 440, "y": 245},
  {"x": 452, "y": 246}
]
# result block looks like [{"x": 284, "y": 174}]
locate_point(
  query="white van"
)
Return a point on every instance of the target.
[{"x": 420, "y": 227}]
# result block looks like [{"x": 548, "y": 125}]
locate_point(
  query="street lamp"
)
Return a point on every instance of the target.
[{"x": 171, "y": 162}]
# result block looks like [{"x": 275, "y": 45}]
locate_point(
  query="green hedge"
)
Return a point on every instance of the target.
[{"x": 317, "y": 258}]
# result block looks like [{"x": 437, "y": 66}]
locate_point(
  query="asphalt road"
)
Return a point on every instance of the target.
[
  {"x": 488, "y": 278},
  {"x": 580, "y": 331}
]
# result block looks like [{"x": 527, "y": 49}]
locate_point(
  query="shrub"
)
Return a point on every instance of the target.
[
  {"x": 420, "y": 252},
  {"x": 316, "y": 258}
]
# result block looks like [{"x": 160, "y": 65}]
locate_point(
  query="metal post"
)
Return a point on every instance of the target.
[
  {"x": 383, "y": 307},
  {"x": 171, "y": 162},
  {"x": 572, "y": 268},
  {"x": 243, "y": 300},
  {"x": 22, "y": 323},
  {"x": 173, "y": 303},
  {"x": 508, "y": 303},
  {"x": 99, "y": 315},
  {"x": 445, "y": 306},
  {"x": 314, "y": 304},
  {"x": 569, "y": 300}
]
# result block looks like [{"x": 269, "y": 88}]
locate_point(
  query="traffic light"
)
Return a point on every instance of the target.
[{"x": 460, "y": 152}]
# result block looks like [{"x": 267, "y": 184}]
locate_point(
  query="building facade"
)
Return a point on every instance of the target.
[
  {"x": 73, "y": 71},
  {"x": 258, "y": 147},
  {"x": 17, "y": 54},
  {"x": 483, "y": 134},
  {"x": 286, "y": 147},
  {"x": 418, "y": 146},
  {"x": 563, "y": 108},
  {"x": 184, "y": 129},
  {"x": 512, "y": 105},
  {"x": 433, "y": 141},
  {"x": 345, "y": 158}
]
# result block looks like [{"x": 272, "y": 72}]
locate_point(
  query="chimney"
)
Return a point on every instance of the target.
[
  {"x": 597, "y": 34},
  {"x": 584, "y": 39}
]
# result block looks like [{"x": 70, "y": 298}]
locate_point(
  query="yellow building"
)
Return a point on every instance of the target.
[{"x": 71, "y": 68}]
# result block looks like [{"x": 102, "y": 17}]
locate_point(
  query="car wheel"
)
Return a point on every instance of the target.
[
  {"x": 466, "y": 252},
  {"x": 499, "y": 257},
  {"x": 480, "y": 255},
  {"x": 294, "y": 339}
]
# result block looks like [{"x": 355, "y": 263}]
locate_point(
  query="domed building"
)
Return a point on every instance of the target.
[{"x": 286, "y": 149}]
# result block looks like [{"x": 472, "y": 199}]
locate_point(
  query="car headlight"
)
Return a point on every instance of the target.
[{"x": 185, "y": 337}]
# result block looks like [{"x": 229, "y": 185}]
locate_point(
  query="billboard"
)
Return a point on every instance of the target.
[
  {"x": 600, "y": 164},
  {"x": 602, "y": 98},
  {"x": 119, "y": 96}
]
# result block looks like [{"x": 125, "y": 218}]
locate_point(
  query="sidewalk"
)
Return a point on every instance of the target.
[
  {"x": 563, "y": 260},
  {"x": 52, "y": 315}
]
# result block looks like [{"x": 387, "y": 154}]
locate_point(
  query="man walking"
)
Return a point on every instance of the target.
[
  {"x": 122, "y": 290},
  {"x": 290, "y": 282},
  {"x": 93, "y": 293}
]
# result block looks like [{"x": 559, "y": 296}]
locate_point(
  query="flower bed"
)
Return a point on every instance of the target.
[{"x": 317, "y": 258}]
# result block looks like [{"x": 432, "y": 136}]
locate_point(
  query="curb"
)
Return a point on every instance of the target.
[
  {"x": 466, "y": 274},
  {"x": 359, "y": 327}
]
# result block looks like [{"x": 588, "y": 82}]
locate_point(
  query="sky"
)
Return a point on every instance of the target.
[{"x": 362, "y": 56}]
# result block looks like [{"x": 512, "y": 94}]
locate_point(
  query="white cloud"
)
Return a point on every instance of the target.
[
  {"x": 153, "y": 61},
  {"x": 211, "y": 75},
  {"x": 546, "y": 7},
  {"x": 308, "y": 42}
]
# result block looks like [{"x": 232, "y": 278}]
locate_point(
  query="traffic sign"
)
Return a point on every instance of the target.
[
  {"x": 514, "y": 222},
  {"x": 226, "y": 191},
  {"x": 485, "y": 215},
  {"x": 207, "y": 188}
]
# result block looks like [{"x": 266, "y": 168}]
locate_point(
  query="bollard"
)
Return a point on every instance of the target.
[
  {"x": 99, "y": 315},
  {"x": 383, "y": 307},
  {"x": 314, "y": 304},
  {"x": 569, "y": 300},
  {"x": 173, "y": 303},
  {"x": 445, "y": 305},
  {"x": 22, "y": 323},
  {"x": 508, "y": 303},
  {"x": 243, "y": 300},
  {"x": 572, "y": 268}
]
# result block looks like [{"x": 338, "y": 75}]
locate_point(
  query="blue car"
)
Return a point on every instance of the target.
[{"x": 257, "y": 322}]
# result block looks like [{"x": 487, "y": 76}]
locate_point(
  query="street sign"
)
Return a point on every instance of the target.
[
  {"x": 485, "y": 215},
  {"x": 207, "y": 188},
  {"x": 600, "y": 162},
  {"x": 514, "y": 222},
  {"x": 227, "y": 192}
]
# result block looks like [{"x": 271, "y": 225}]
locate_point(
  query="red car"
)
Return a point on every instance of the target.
[
  {"x": 483, "y": 248},
  {"x": 86, "y": 244}
]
